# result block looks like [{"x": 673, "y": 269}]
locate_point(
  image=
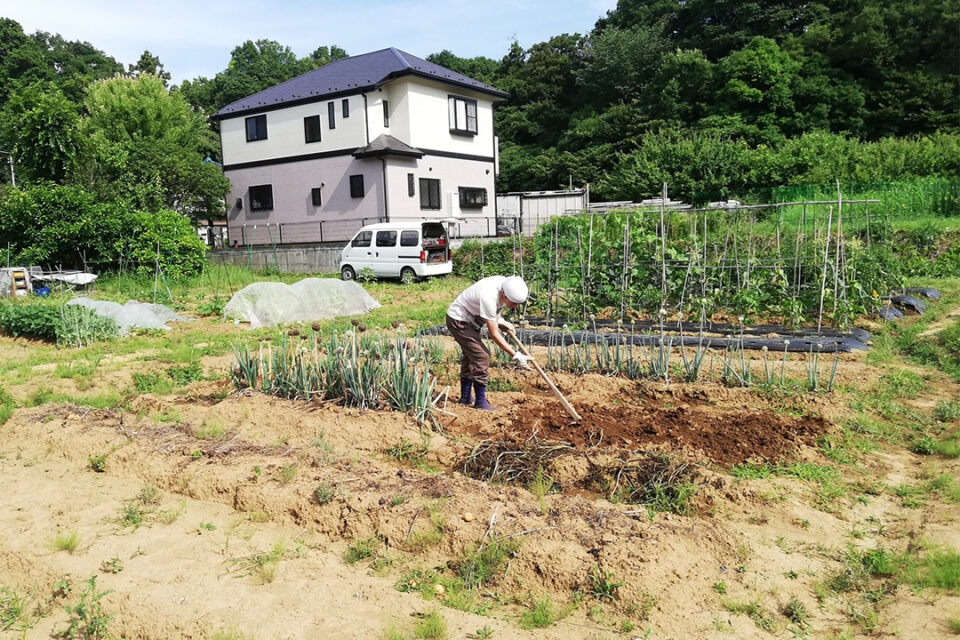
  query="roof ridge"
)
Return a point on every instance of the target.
[{"x": 403, "y": 61}]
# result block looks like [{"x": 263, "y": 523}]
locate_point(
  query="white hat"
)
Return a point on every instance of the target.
[{"x": 515, "y": 289}]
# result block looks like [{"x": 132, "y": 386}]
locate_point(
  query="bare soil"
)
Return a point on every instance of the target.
[{"x": 194, "y": 565}]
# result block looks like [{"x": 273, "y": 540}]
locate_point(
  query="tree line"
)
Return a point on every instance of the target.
[{"x": 713, "y": 97}]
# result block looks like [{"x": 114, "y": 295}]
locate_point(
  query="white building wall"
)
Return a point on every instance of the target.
[
  {"x": 285, "y": 135},
  {"x": 453, "y": 174},
  {"x": 430, "y": 120}
]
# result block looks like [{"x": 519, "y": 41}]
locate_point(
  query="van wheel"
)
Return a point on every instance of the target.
[
  {"x": 408, "y": 275},
  {"x": 347, "y": 273}
]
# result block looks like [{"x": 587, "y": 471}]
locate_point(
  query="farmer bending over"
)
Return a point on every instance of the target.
[{"x": 480, "y": 305}]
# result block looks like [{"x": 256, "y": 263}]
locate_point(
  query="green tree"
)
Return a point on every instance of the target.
[
  {"x": 479, "y": 68},
  {"x": 253, "y": 67},
  {"x": 21, "y": 59},
  {"x": 618, "y": 63},
  {"x": 73, "y": 64},
  {"x": 146, "y": 147},
  {"x": 149, "y": 64},
  {"x": 325, "y": 55},
  {"x": 40, "y": 127}
]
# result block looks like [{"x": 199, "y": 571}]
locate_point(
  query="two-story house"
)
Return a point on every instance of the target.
[{"x": 375, "y": 137}]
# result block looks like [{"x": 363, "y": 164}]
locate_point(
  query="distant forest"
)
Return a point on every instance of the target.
[{"x": 711, "y": 97}]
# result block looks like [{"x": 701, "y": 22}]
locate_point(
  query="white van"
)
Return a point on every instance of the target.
[{"x": 405, "y": 249}]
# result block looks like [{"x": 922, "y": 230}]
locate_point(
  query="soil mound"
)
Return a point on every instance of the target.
[{"x": 725, "y": 437}]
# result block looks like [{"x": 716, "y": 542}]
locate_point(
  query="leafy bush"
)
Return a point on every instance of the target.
[
  {"x": 181, "y": 251},
  {"x": 66, "y": 226},
  {"x": 67, "y": 325}
]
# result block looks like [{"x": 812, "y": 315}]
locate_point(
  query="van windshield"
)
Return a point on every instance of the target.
[{"x": 434, "y": 234}]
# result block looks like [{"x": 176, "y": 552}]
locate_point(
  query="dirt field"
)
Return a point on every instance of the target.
[{"x": 207, "y": 513}]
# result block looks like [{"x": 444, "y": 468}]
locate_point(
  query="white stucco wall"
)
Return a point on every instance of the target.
[
  {"x": 430, "y": 121},
  {"x": 285, "y": 136},
  {"x": 453, "y": 174}
]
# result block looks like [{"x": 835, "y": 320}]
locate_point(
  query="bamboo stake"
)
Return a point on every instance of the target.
[{"x": 823, "y": 281}]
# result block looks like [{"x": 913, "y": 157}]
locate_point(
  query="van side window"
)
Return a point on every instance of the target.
[
  {"x": 409, "y": 238},
  {"x": 362, "y": 239},
  {"x": 386, "y": 238}
]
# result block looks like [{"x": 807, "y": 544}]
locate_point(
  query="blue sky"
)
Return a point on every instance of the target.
[{"x": 194, "y": 38}]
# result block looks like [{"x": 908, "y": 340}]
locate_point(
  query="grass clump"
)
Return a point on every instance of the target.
[
  {"x": 66, "y": 541},
  {"x": 953, "y": 624},
  {"x": 603, "y": 587},
  {"x": 211, "y": 429},
  {"x": 263, "y": 567},
  {"x": 13, "y": 613},
  {"x": 433, "y": 534},
  {"x": 432, "y": 626},
  {"x": 936, "y": 569},
  {"x": 98, "y": 464},
  {"x": 947, "y": 411},
  {"x": 541, "y": 614},
  {"x": 182, "y": 376},
  {"x": 753, "y": 610},
  {"x": 324, "y": 493},
  {"x": 7, "y": 406},
  {"x": 483, "y": 564},
  {"x": 155, "y": 382},
  {"x": 362, "y": 550}
]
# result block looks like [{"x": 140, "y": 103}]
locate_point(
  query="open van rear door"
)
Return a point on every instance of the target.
[{"x": 436, "y": 245}]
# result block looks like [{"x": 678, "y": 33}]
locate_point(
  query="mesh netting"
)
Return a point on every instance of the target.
[
  {"x": 264, "y": 304},
  {"x": 133, "y": 315}
]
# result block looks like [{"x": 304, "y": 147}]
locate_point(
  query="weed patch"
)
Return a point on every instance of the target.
[{"x": 88, "y": 619}]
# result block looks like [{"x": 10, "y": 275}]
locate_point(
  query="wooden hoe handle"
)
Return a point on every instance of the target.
[{"x": 543, "y": 374}]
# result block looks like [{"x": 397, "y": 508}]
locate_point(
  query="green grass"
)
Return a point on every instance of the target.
[
  {"x": 7, "y": 406},
  {"x": 362, "y": 550},
  {"x": 66, "y": 541},
  {"x": 14, "y": 616},
  {"x": 754, "y": 610},
  {"x": 484, "y": 563},
  {"x": 541, "y": 614},
  {"x": 953, "y": 625},
  {"x": 432, "y": 626},
  {"x": 936, "y": 568},
  {"x": 156, "y": 382},
  {"x": 211, "y": 429}
]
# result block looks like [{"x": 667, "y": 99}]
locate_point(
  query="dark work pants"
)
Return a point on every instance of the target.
[{"x": 476, "y": 359}]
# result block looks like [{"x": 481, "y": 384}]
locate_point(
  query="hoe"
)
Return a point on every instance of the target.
[{"x": 543, "y": 374}]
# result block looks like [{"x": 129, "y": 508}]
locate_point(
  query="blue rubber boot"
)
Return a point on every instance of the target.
[
  {"x": 481, "y": 402},
  {"x": 466, "y": 386}
]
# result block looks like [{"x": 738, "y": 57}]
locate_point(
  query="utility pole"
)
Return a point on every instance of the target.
[{"x": 13, "y": 176}]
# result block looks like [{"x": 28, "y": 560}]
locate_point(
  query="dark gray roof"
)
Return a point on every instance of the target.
[
  {"x": 351, "y": 75},
  {"x": 385, "y": 144}
]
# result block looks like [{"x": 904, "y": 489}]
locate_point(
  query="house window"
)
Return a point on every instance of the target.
[
  {"x": 410, "y": 190},
  {"x": 332, "y": 115},
  {"x": 256, "y": 128},
  {"x": 409, "y": 238},
  {"x": 386, "y": 238},
  {"x": 261, "y": 197},
  {"x": 429, "y": 193},
  {"x": 346, "y": 107},
  {"x": 463, "y": 115},
  {"x": 386, "y": 113},
  {"x": 356, "y": 186},
  {"x": 472, "y": 198},
  {"x": 316, "y": 196},
  {"x": 362, "y": 239},
  {"x": 311, "y": 129}
]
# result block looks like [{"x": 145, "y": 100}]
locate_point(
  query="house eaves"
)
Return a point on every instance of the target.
[{"x": 350, "y": 76}]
